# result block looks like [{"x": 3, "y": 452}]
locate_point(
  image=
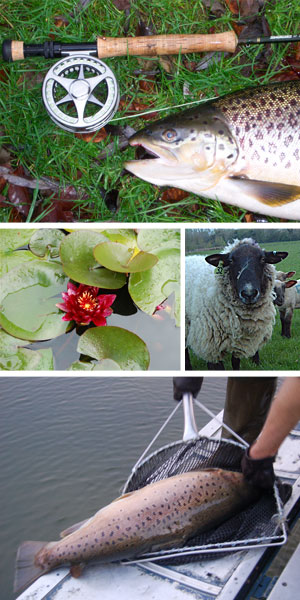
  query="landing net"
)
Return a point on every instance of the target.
[{"x": 260, "y": 524}]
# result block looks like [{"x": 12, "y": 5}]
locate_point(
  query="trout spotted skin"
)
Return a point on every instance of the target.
[
  {"x": 161, "y": 515},
  {"x": 243, "y": 148}
]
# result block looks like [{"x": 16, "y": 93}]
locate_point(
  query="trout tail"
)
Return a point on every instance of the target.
[{"x": 26, "y": 571}]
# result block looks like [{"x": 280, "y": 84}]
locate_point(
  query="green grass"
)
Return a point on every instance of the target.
[
  {"x": 279, "y": 353},
  {"x": 36, "y": 143}
]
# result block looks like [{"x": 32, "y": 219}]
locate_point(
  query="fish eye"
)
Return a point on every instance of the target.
[{"x": 169, "y": 135}]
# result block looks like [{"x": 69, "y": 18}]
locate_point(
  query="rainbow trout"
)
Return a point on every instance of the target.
[
  {"x": 243, "y": 148},
  {"x": 161, "y": 515}
]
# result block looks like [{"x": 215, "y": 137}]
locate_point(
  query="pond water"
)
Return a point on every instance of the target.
[
  {"x": 67, "y": 446},
  {"x": 158, "y": 331}
]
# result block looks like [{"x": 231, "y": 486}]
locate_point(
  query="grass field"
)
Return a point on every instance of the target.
[
  {"x": 43, "y": 149},
  {"x": 279, "y": 353}
]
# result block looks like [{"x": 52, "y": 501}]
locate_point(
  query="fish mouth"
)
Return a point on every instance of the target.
[
  {"x": 153, "y": 152},
  {"x": 158, "y": 166}
]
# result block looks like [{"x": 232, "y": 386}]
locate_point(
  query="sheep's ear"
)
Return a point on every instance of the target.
[
  {"x": 274, "y": 257},
  {"x": 290, "y": 283},
  {"x": 290, "y": 274},
  {"x": 214, "y": 259}
]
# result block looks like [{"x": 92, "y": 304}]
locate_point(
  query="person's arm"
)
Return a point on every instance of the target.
[
  {"x": 282, "y": 417},
  {"x": 257, "y": 462}
]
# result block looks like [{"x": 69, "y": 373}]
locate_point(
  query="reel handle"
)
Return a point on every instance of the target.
[{"x": 152, "y": 45}]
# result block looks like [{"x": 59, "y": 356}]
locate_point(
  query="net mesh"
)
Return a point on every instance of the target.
[{"x": 256, "y": 522}]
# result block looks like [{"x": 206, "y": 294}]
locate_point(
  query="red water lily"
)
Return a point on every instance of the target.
[{"x": 83, "y": 305}]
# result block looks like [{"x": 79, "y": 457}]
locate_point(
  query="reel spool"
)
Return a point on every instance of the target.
[{"x": 80, "y": 93}]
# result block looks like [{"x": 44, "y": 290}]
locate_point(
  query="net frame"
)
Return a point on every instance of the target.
[{"x": 203, "y": 452}]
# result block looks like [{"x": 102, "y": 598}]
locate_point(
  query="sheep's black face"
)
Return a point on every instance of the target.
[
  {"x": 279, "y": 290},
  {"x": 247, "y": 264},
  {"x": 246, "y": 267}
]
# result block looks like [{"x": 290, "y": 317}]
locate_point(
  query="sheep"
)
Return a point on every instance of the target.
[
  {"x": 287, "y": 299},
  {"x": 282, "y": 276},
  {"x": 230, "y": 308}
]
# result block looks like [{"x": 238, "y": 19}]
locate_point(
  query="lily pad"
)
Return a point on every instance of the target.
[
  {"x": 121, "y": 258},
  {"x": 124, "y": 236},
  {"x": 27, "y": 360},
  {"x": 117, "y": 344},
  {"x": 104, "y": 365},
  {"x": 128, "y": 237},
  {"x": 148, "y": 289},
  {"x": 78, "y": 261},
  {"x": 155, "y": 240},
  {"x": 15, "y": 358},
  {"x": 46, "y": 242},
  {"x": 28, "y": 296},
  {"x": 10, "y": 241}
]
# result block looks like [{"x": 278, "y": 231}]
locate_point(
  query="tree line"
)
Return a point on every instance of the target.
[{"x": 199, "y": 239}]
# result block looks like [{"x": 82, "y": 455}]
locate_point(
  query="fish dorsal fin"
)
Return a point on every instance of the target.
[
  {"x": 123, "y": 496},
  {"x": 73, "y": 528},
  {"x": 273, "y": 194}
]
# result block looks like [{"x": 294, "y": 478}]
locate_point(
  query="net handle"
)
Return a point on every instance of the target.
[{"x": 233, "y": 433}]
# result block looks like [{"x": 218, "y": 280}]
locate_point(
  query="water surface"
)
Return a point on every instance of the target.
[{"x": 67, "y": 446}]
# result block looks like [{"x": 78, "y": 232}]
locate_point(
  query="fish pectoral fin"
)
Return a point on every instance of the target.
[
  {"x": 26, "y": 571},
  {"x": 77, "y": 570},
  {"x": 273, "y": 194}
]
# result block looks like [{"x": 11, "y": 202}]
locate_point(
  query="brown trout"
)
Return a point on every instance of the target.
[
  {"x": 160, "y": 515},
  {"x": 243, "y": 148}
]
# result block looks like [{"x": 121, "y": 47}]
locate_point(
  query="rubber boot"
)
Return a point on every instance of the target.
[{"x": 247, "y": 404}]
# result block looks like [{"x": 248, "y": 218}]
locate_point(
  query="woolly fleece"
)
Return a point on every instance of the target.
[{"x": 217, "y": 321}]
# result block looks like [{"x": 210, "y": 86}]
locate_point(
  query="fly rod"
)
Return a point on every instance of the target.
[
  {"x": 154, "y": 45},
  {"x": 81, "y": 93}
]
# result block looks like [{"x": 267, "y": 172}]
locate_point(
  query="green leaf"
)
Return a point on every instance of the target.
[
  {"x": 27, "y": 360},
  {"x": 148, "y": 289},
  {"x": 124, "y": 236},
  {"x": 14, "y": 358},
  {"x": 10, "y": 240},
  {"x": 118, "y": 257},
  {"x": 104, "y": 365},
  {"x": 46, "y": 242},
  {"x": 28, "y": 295},
  {"x": 128, "y": 237},
  {"x": 117, "y": 344},
  {"x": 76, "y": 253},
  {"x": 155, "y": 240}
]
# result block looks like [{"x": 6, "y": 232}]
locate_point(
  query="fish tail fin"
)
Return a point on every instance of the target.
[{"x": 26, "y": 571}]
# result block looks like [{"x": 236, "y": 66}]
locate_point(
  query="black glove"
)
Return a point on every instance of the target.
[
  {"x": 258, "y": 472},
  {"x": 185, "y": 385}
]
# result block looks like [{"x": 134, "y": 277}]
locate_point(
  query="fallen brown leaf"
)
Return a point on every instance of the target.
[
  {"x": 233, "y": 6},
  {"x": 135, "y": 107},
  {"x": 173, "y": 195},
  {"x": 61, "y": 21},
  {"x": 122, "y": 4},
  {"x": 32, "y": 78},
  {"x": 19, "y": 196},
  {"x": 93, "y": 137}
]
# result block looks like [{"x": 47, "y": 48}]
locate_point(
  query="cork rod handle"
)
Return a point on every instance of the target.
[{"x": 154, "y": 45}]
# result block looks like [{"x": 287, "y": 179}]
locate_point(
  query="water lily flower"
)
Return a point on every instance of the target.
[{"x": 83, "y": 305}]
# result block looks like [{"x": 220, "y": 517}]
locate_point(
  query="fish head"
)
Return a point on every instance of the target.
[{"x": 196, "y": 144}]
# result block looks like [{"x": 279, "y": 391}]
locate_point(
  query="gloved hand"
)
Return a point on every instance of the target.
[
  {"x": 184, "y": 385},
  {"x": 258, "y": 472}
]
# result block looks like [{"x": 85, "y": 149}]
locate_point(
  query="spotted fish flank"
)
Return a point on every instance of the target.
[
  {"x": 242, "y": 148},
  {"x": 161, "y": 515}
]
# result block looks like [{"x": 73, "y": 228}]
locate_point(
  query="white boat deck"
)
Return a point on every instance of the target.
[{"x": 225, "y": 578}]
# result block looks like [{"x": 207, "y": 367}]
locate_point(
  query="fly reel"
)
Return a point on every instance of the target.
[{"x": 80, "y": 93}]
